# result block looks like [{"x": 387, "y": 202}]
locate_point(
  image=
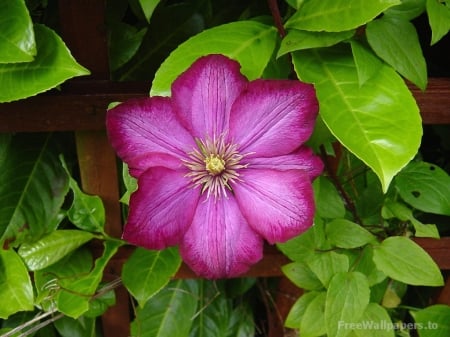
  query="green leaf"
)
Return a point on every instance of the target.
[
  {"x": 249, "y": 42},
  {"x": 16, "y": 33},
  {"x": 313, "y": 321},
  {"x": 403, "y": 260},
  {"x": 33, "y": 187},
  {"x": 100, "y": 304},
  {"x": 367, "y": 63},
  {"x": 347, "y": 298},
  {"x": 343, "y": 233},
  {"x": 16, "y": 291},
  {"x": 302, "y": 276},
  {"x": 425, "y": 187},
  {"x": 77, "y": 292},
  {"x": 52, "y": 247},
  {"x": 375, "y": 322},
  {"x": 433, "y": 321},
  {"x": 52, "y": 66},
  {"x": 47, "y": 280},
  {"x": 439, "y": 19},
  {"x": 148, "y": 6},
  {"x": 87, "y": 211},
  {"x": 329, "y": 203},
  {"x": 397, "y": 43},
  {"x": 147, "y": 271},
  {"x": 407, "y": 10},
  {"x": 326, "y": 264},
  {"x": 70, "y": 327},
  {"x": 130, "y": 184},
  {"x": 169, "y": 313},
  {"x": 337, "y": 15},
  {"x": 393, "y": 209},
  {"x": 366, "y": 266},
  {"x": 301, "y": 39},
  {"x": 378, "y": 122},
  {"x": 294, "y": 318}
]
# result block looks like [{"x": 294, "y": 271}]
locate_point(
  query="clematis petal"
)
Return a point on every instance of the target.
[
  {"x": 161, "y": 209},
  {"x": 219, "y": 242},
  {"x": 302, "y": 159},
  {"x": 273, "y": 117},
  {"x": 277, "y": 204},
  {"x": 145, "y": 132},
  {"x": 203, "y": 94}
]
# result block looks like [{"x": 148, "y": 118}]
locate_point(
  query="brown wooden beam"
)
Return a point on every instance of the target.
[{"x": 82, "y": 104}]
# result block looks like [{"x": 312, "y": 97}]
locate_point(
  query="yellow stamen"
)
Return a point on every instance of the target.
[{"x": 214, "y": 164}]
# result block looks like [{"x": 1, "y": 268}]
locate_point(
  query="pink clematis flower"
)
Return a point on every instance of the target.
[{"x": 221, "y": 165}]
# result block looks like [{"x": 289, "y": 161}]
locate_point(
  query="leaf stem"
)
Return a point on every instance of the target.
[
  {"x": 275, "y": 10},
  {"x": 332, "y": 174}
]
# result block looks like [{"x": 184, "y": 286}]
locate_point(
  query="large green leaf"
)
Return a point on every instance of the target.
[
  {"x": 326, "y": 264},
  {"x": 337, "y": 15},
  {"x": 16, "y": 33},
  {"x": 147, "y": 271},
  {"x": 347, "y": 297},
  {"x": 33, "y": 187},
  {"x": 249, "y": 42},
  {"x": 52, "y": 247},
  {"x": 433, "y": 321},
  {"x": 403, "y": 260},
  {"x": 169, "y": 313},
  {"x": 16, "y": 291},
  {"x": 379, "y": 121},
  {"x": 52, "y": 66},
  {"x": 425, "y": 187},
  {"x": 439, "y": 19},
  {"x": 397, "y": 43}
]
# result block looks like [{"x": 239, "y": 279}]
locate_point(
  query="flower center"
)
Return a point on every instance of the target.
[{"x": 214, "y": 166}]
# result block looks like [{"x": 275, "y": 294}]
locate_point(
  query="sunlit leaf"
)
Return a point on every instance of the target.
[
  {"x": 302, "y": 39},
  {"x": 302, "y": 276},
  {"x": 337, "y": 15},
  {"x": 397, "y": 43},
  {"x": 378, "y": 122},
  {"x": 403, "y": 260},
  {"x": 16, "y": 291},
  {"x": 313, "y": 319},
  {"x": 367, "y": 63},
  {"x": 16, "y": 33},
  {"x": 375, "y": 322},
  {"x": 52, "y": 66},
  {"x": 297, "y": 311},
  {"x": 326, "y": 264},
  {"x": 249, "y": 42},
  {"x": 347, "y": 297},
  {"x": 346, "y": 234},
  {"x": 148, "y": 271}
]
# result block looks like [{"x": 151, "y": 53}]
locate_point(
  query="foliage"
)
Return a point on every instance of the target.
[{"x": 358, "y": 262}]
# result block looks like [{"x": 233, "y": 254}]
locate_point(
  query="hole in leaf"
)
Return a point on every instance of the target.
[
  {"x": 416, "y": 194},
  {"x": 432, "y": 168}
]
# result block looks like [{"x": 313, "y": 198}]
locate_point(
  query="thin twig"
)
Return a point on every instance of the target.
[{"x": 275, "y": 10}]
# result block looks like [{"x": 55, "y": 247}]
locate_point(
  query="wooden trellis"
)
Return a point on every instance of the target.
[{"x": 81, "y": 106}]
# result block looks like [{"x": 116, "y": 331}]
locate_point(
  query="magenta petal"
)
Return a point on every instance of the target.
[
  {"x": 219, "y": 243},
  {"x": 204, "y": 93},
  {"x": 161, "y": 209},
  {"x": 302, "y": 159},
  {"x": 145, "y": 132},
  {"x": 277, "y": 204},
  {"x": 273, "y": 117}
]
